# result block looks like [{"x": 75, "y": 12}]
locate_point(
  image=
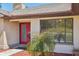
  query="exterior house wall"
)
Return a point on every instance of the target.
[
  {"x": 76, "y": 33},
  {"x": 12, "y": 32},
  {"x": 35, "y": 28},
  {"x": 75, "y": 29},
  {"x": 35, "y": 25}
]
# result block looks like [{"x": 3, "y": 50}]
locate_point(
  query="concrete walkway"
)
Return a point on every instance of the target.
[{"x": 10, "y": 52}]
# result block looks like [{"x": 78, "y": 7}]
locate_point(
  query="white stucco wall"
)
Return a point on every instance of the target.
[
  {"x": 35, "y": 27},
  {"x": 76, "y": 33},
  {"x": 12, "y": 32}
]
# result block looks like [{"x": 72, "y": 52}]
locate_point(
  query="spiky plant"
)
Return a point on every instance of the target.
[{"x": 43, "y": 43}]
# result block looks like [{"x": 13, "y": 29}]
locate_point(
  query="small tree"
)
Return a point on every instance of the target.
[{"x": 43, "y": 43}]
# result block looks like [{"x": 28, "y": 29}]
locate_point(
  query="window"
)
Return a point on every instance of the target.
[{"x": 61, "y": 29}]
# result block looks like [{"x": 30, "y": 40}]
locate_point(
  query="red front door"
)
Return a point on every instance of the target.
[{"x": 24, "y": 32}]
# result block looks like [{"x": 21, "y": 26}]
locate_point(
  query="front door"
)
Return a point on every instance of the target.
[{"x": 24, "y": 32}]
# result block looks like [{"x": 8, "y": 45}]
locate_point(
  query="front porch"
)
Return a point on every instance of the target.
[{"x": 12, "y": 34}]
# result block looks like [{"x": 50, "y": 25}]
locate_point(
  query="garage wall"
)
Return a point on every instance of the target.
[{"x": 12, "y": 32}]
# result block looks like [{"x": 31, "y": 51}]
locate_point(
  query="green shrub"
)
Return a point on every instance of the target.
[{"x": 43, "y": 43}]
